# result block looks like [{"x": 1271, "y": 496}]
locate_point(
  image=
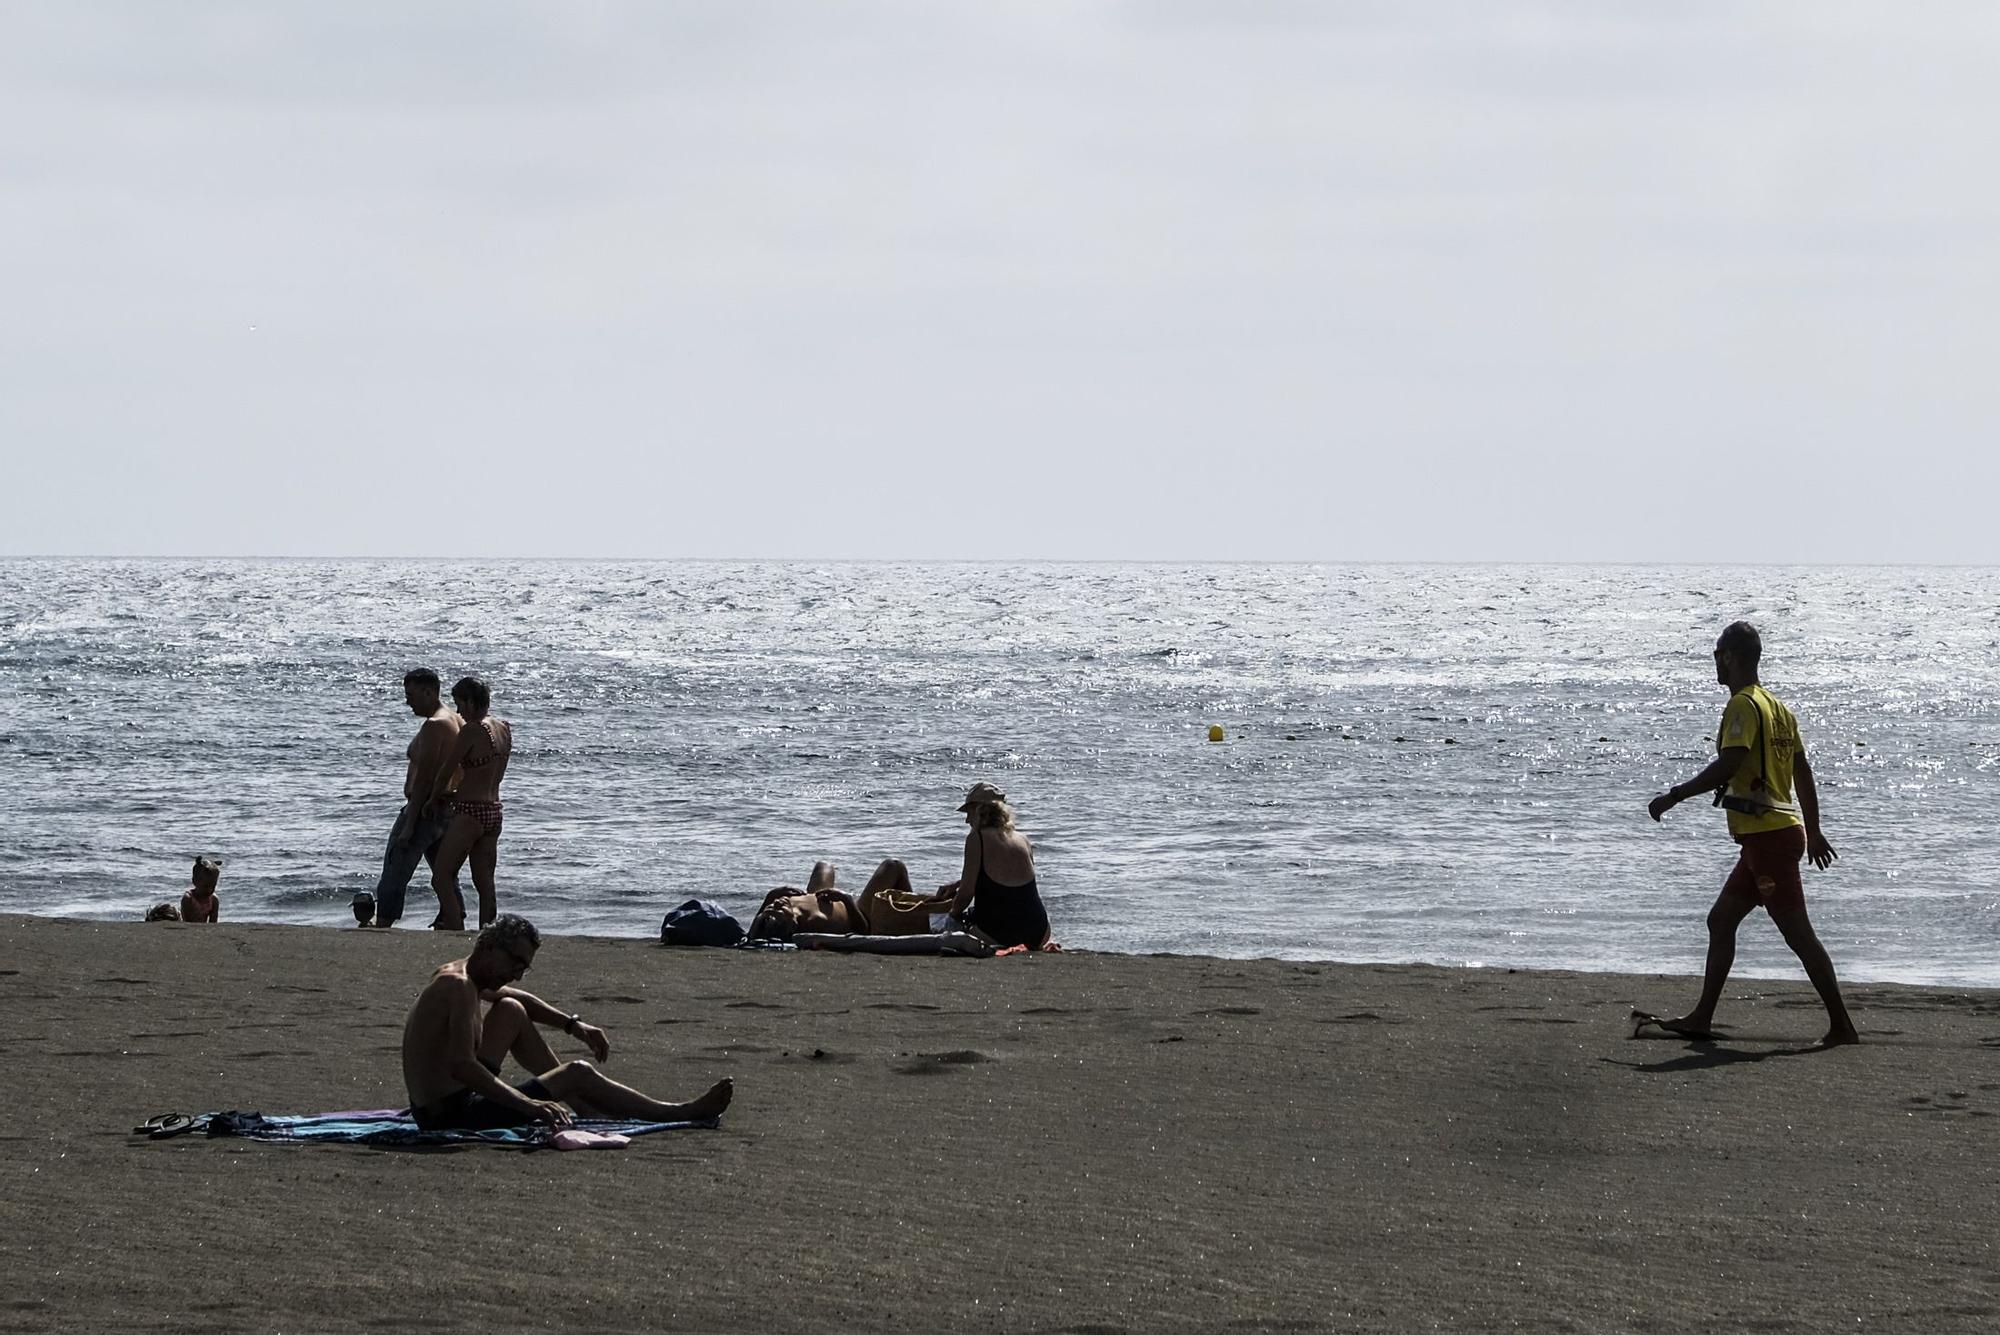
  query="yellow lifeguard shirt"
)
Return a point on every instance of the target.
[{"x": 1758, "y": 720}]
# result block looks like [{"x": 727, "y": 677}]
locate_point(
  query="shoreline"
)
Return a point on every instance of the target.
[
  {"x": 1062, "y": 1142},
  {"x": 1696, "y": 940}
]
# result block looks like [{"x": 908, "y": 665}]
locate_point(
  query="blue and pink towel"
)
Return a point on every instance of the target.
[{"x": 393, "y": 1127}]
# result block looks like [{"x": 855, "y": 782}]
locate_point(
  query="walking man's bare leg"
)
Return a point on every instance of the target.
[
  {"x": 1805, "y": 943},
  {"x": 1724, "y": 917}
]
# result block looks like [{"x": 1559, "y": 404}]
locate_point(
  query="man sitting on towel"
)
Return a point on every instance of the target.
[
  {"x": 886, "y": 906},
  {"x": 470, "y": 1018}
]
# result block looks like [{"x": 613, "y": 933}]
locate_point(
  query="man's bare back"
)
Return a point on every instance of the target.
[{"x": 427, "y": 1038}]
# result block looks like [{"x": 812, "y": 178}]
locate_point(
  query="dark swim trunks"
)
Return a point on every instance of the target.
[
  {"x": 1767, "y": 871},
  {"x": 467, "y": 1111}
]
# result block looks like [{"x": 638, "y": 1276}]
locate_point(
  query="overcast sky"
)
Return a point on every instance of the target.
[{"x": 1658, "y": 281}]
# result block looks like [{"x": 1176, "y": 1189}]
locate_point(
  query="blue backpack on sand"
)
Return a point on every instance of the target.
[{"x": 700, "y": 922}]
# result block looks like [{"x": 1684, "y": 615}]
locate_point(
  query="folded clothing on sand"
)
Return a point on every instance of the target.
[{"x": 394, "y": 1126}]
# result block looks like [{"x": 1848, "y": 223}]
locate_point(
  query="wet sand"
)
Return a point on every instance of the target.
[{"x": 1079, "y": 1143}]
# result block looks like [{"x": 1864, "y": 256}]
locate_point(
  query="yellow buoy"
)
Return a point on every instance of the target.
[{"x": 1215, "y": 733}]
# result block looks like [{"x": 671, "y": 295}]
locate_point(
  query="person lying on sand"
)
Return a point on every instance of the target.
[
  {"x": 452, "y": 1053},
  {"x": 887, "y": 906},
  {"x": 200, "y": 903}
]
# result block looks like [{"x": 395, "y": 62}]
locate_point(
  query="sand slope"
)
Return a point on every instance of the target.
[{"x": 1078, "y": 1143}]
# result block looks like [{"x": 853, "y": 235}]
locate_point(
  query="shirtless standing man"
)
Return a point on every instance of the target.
[
  {"x": 415, "y": 836},
  {"x": 452, "y": 1053},
  {"x": 1759, "y": 758}
]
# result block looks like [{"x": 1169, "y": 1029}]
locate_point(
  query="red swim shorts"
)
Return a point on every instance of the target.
[{"x": 1767, "y": 871}]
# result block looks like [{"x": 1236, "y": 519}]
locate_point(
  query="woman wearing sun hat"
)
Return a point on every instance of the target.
[{"x": 996, "y": 894}]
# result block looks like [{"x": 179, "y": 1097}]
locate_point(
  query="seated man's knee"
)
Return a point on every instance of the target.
[
  {"x": 566, "y": 1076},
  {"x": 892, "y": 867}
]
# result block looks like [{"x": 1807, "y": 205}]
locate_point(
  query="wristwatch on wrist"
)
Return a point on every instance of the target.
[{"x": 569, "y": 1025}]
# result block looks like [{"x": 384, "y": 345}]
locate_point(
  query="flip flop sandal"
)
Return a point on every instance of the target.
[
  {"x": 165, "y": 1126},
  {"x": 1641, "y": 1019}
]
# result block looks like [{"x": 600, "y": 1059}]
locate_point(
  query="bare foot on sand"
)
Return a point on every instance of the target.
[
  {"x": 1836, "y": 1038},
  {"x": 712, "y": 1103}
]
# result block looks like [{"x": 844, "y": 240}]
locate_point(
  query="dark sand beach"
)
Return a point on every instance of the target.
[{"x": 1080, "y": 1143}]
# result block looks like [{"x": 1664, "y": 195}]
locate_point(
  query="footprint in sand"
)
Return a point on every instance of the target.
[
  {"x": 899, "y": 1006},
  {"x": 757, "y": 1006},
  {"x": 937, "y": 1063},
  {"x": 614, "y": 1001},
  {"x": 818, "y": 1056},
  {"x": 1945, "y": 1103},
  {"x": 1230, "y": 1010}
]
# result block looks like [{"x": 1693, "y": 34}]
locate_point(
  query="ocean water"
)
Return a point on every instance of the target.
[{"x": 1423, "y": 763}]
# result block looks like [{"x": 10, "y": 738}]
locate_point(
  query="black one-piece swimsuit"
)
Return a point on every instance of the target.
[{"x": 1011, "y": 914}]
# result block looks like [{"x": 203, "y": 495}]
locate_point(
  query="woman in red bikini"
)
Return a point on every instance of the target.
[{"x": 479, "y": 756}]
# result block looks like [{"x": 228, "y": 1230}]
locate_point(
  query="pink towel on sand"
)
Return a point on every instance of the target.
[{"x": 572, "y": 1139}]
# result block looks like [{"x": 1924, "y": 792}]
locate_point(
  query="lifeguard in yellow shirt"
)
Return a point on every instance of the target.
[{"x": 1760, "y": 762}]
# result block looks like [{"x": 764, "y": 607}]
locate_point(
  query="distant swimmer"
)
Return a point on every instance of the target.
[
  {"x": 1760, "y": 758},
  {"x": 996, "y": 895},
  {"x": 415, "y": 837},
  {"x": 200, "y": 903},
  {"x": 470, "y": 1018},
  {"x": 477, "y": 762}
]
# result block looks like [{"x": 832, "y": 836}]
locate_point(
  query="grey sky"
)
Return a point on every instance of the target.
[{"x": 1287, "y": 280}]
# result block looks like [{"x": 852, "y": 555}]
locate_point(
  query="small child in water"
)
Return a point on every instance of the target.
[{"x": 201, "y": 903}]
